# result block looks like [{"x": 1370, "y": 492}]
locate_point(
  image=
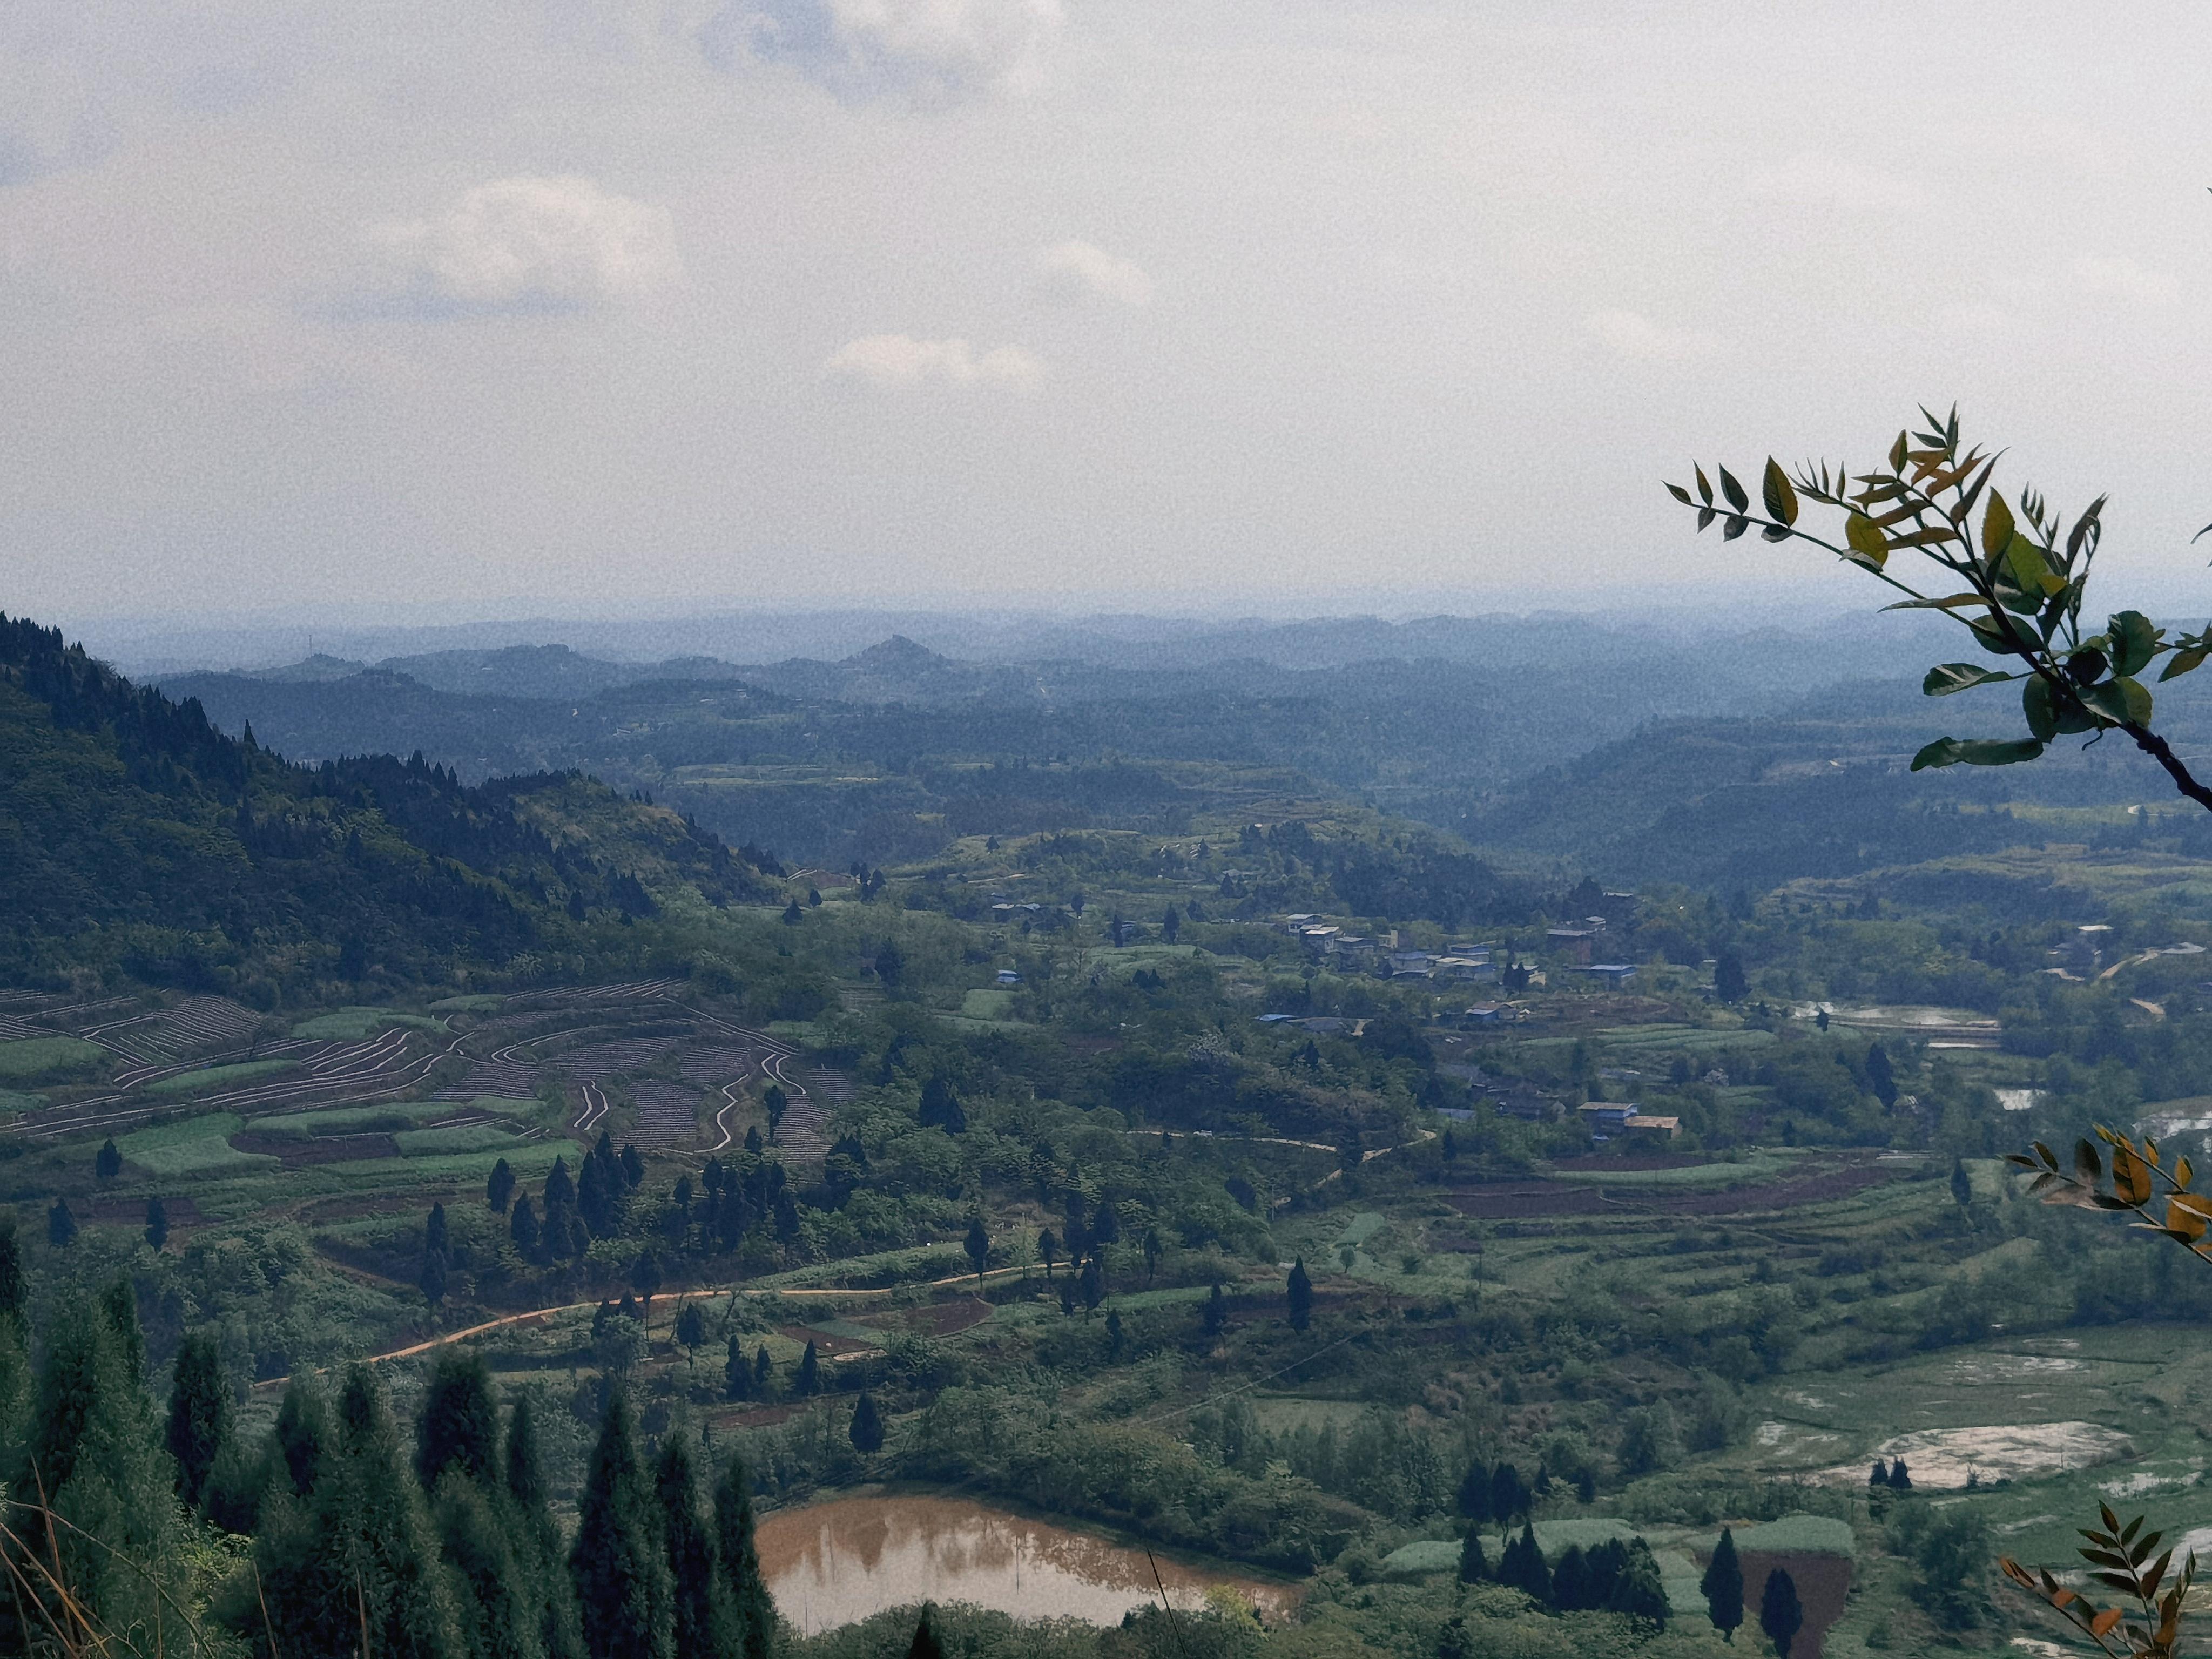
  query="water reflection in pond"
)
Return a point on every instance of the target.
[{"x": 831, "y": 1564}]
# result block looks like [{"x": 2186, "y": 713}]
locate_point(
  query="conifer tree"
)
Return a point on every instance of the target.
[
  {"x": 1722, "y": 1585},
  {"x": 737, "y": 1373},
  {"x": 1507, "y": 1493},
  {"x": 119, "y": 1306},
  {"x": 1901, "y": 1478},
  {"x": 616, "y": 1566},
  {"x": 1474, "y": 1494},
  {"x": 1636, "y": 1591},
  {"x": 978, "y": 1245},
  {"x": 107, "y": 1163},
  {"x": 458, "y": 1428},
  {"x": 1962, "y": 1184},
  {"x": 200, "y": 1416},
  {"x": 522, "y": 1228},
  {"x": 499, "y": 1189},
  {"x": 926, "y": 1643},
  {"x": 94, "y": 1505},
  {"x": 496, "y": 1607},
  {"x": 538, "y": 1538},
  {"x": 867, "y": 1432},
  {"x": 1523, "y": 1567},
  {"x": 157, "y": 1222},
  {"x": 302, "y": 1433},
  {"x": 1571, "y": 1584},
  {"x": 61, "y": 1224},
  {"x": 1473, "y": 1566},
  {"x": 691, "y": 1554},
  {"x": 1781, "y": 1615},
  {"x": 1300, "y": 1295},
  {"x": 763, "y": 1372},
  {"x": 1215, "y": 1319},
  {"x": 748, "y": 1615},
  {"x": 810, "y": 1372},
  {"x": 361, "y": 1566}
]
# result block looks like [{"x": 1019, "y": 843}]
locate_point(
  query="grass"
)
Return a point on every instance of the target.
[
  {"x": 353, "y": 1023},
  {"x": 30, "y": 1060},
  {"x": 1689, "y": 1175},
  {"x": 469, "y": 1005},
  {"x": 525, "y": 1158},
  {"x": 352, "y": 1119},
  {"x": 463, "y": 1138},
  {"x": 11, "y": 1102},
  {"x": 1815, "y": 1534},
  {"x": 185, "y": 1082},
  {"x": 197, "y": 1145},
  {"x": 986, "y": 1003}
]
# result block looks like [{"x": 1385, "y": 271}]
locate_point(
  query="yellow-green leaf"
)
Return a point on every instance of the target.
[
  {"x": 1996, "y": 526},
  {"x": 1781, "y": 499},
  {"x": 1859, "y": 532},
  {"x": 2025, "y": 560}
]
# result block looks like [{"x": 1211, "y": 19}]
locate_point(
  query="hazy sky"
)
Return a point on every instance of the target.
[{"x": 817, "y": 301}]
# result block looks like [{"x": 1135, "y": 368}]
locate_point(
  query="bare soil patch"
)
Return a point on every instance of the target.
[{"x": 323, "y": 1149}]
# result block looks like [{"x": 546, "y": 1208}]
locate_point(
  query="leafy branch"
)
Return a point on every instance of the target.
[
  {"x": 2017, "y": 584},
  {"x": 2117, "y": 1556},
  {"x": 2140, "y": 1179}
]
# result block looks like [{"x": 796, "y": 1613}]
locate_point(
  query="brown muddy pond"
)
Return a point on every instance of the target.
[{"x": 831, "y": 1564}]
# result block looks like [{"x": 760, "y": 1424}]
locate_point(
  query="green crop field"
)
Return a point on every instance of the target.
[
  {"x": 195, "y": 1146},
  {"x": 352, "y": 1024},
  {"x": 32, "y": 1060},
  {"x": 185, "y": 1082}
]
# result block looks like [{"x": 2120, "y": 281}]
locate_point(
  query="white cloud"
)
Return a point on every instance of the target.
[
  {"x": 1976, "y": 317},
  {"x": 529, "y": 244},
  {"x": 2124, "y": 279},
  {"x": 939, "y": 50},
  {"x": 900, "y": 360},
  {"x": 1634, "y": 335},
  {"x": 1084, "y": 270}
]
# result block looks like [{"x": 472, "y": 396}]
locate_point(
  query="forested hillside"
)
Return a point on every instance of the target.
[{"x": 134, "y": 835}]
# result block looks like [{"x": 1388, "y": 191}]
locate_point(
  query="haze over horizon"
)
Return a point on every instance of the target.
[{"x": 1003, "y": 303}]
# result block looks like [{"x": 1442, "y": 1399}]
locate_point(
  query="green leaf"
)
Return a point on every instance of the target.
[
  {"x": 2121, "y": 699},
  {"x": 1734, "y": 491},
  {"x": 1681, "y": 494},
  {"x": 1704, "y": 485},
  {"x": 2135, "y": 642},
  {"x": 1781, "y": 499},
  {"x": 2184, "y": 662},
  {"x": 1736, "y": 525},
  {"x": 1949, "y": 602},
  {"x": 1945, "y": 677},
  {"x": 1944, "y": 751},
  {"x": 1989, "y": 752},
  {"x": 2039, "y": 703},
  {"x": 2028, "y": 567},
  {"x": 1997, "y": 527}
]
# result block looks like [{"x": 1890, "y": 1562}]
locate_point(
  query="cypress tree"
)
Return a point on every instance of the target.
[
  {"x": 200, "y": 1416},
  {"x": 1637, "y": 1589},
  {"x": 118, "y": 1306},
  {"x": 1722, "y": 1585},
  {"x": 522, "y": 1228},
  {"x": 105, "y": 1526},
  {"x": 1506, "y": 1493},
  {"x": 810, "y": 1371},
  {"x": 497, "y": 1609},
  {"x": 157, "y": 1223},
  {"x": 1474, "y": 1494},
  {"x": 302, "y": 1432},
  {"x": 107, "y": 1163},
  {"x": 1299, "y": 1293},
  {"x": 926, "y": 1643},
  {"x": 538, "y": 1538},
  {"x": 560, "y": 1189},
  {"x": 867, "y": 1427},
  {"x": 358, "y": 1564},
  {"x": 1570, "y": 1585},
  {"x": 691, "y": 1554},
  {"x": 737, "y": 1373},
  {"x": 621, "y": 1581},
  {"x": 1962, "y": 1185},
  {"x": 1472, "y": 1565},
  {"x": 15, "y": 1299},
  {"x": 1900, "y": 1478},
  {"x": 61, "y": 1224},
  {"x": 1522, "y": 1566},
  {"x": 748, "y": 1614},
  {"x": 1781, "y": 1615},
  {"x": 458, "y": 1428},
  {"x": 1215, "y": 1319},
  {"x": 500, "y": 1188},
  {"x": 763, "y": 1372}
]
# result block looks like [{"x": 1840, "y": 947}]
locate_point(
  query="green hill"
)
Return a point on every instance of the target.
[{"x": 135, "y": 838}]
